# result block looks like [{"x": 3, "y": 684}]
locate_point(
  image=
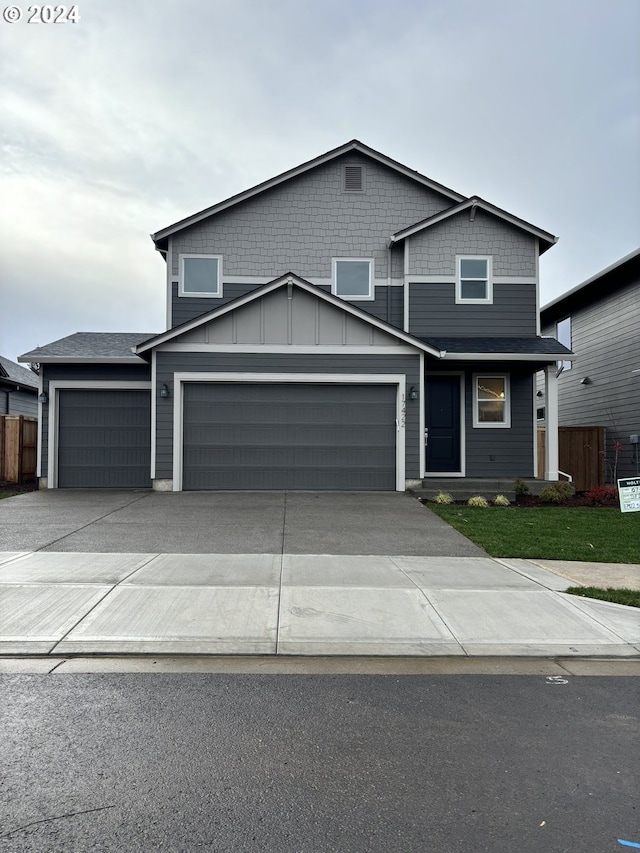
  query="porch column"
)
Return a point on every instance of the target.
[{"x": 551, "y": 418}]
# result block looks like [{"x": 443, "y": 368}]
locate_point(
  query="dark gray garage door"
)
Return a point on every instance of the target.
[
  {"x": 104, "y": 439},
  {"x": 289, "y": 436}
]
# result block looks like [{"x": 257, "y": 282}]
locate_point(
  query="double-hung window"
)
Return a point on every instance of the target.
[
  {"x": 353, "y": 278},
  {"x": 200, "y": 275},
  {"x": 474, "y": 284},
  {"x": 491, "y": 403}
]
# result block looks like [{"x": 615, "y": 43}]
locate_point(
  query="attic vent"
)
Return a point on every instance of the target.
[{"x": 353, "y": 179}]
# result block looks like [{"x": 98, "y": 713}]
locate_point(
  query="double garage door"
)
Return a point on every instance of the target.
[{"x": 289, "y": 436}]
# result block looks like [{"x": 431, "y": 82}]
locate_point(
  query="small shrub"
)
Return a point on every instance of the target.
[
  {"x": 443, "y": 498},
  {"x": 478, "y": 501},
  {"x": 602, "y": 496},
  {"x": 557, "y": 493},
  {"x": 500, "y": 500},
  {"x": 521, "y": 488}
]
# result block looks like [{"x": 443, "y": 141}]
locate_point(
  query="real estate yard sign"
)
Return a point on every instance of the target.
[{"x": 629, "y": 491}]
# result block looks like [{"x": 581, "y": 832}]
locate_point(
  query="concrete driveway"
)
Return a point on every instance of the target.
[{"x": 227, "y": 523}]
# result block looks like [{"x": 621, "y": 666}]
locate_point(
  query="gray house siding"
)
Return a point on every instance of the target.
[
  {"x": 498, "y": 452},
  {"x": 88, "y": 373},
  {"x": 18, "y": 403},
  {"x": 302, "y": 224},
  {"x": 185, "y": 308},
  {"x": 168, "y": 363},
  {"x": 293, "y": 225},
  {"x": 433, "y": 311},
  {"x": 433, "y": 250},
  {"x": 605, "y": 337},
  {"x": 491, "y": 453}
]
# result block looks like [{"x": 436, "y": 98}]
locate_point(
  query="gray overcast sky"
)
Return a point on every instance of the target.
[{"x": 146, "y": 111}]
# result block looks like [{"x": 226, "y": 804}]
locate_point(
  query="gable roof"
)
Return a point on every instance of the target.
[
  {"x": 16, "y": 375},
  {"x": 283, "y": 281},
  {"x": 546, "y": 239},
  {"x": 160, "y": 237},
  {"x": 103, "y": 347},
  {"x": 603, "y": 283}
]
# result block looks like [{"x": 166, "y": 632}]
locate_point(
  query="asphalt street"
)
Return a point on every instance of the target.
[{"x": 284, "y": 763}]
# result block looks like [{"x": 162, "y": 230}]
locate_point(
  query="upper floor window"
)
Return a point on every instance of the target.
[
  {"x": 473, "y": 280},
  {"x": 200, "y": 275},
  {"x": 491, "y": 405},
  {"x": 563, "y": 335},
  {"x": 353, "y": 278}
]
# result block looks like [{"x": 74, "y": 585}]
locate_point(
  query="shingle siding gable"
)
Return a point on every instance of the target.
[{"x": 301, "y": 224}]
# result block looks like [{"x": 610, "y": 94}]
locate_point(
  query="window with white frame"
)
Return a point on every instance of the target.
[
  {"x": 353, "y": 278},
  {"x": 491, "y": 403},
  {"x": 473, "y": 280},
  {"x": 563, "y": 335},
  {"x": 200, "y": 275}
]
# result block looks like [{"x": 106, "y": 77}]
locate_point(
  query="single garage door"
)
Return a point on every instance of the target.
[
  {"x": 104, "y": 439},
  {"x": 289, "y": 436}
]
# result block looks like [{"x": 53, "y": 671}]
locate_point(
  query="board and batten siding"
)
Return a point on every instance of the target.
[
  {"x": 168, "y": 363},
  {"x": 605, "y": 338}
]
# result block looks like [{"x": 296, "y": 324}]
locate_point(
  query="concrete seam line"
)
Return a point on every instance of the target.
[
  {"x": 100, "y": 600},
  {"x": 93, "y": 521}
]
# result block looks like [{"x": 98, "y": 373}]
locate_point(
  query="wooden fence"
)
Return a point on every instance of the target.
[
  {"x": 580, "y": 453},
  {"x": 18, "y": 448}
]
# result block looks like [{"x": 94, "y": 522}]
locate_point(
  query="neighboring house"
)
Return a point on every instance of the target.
[
  {"x": 18, "y": 389},
  {"x": 599, "y": 320},
  {"x": 348, "y": 325}
]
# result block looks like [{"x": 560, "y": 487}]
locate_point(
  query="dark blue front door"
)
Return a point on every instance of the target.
[{"x": 442, "y": 423}]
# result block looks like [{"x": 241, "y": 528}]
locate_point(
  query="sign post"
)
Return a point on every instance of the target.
[{"x": 629, "y": 491}]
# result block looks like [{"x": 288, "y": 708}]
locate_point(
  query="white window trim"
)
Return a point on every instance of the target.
[
  {"x": 334, "y": 280},
  {"x": 399, "y": 380},
  {"x": 191, "y": 294},
  {"x": 489, "y": 297},
  {"x": 54, "y": 412},
  {"x": 506, "y": 423}
]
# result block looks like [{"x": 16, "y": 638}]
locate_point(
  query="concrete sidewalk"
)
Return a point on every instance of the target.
[{"x": 56, "y": 603}]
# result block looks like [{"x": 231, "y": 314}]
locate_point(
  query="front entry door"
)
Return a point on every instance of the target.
[{"x": 442, "y": 424}]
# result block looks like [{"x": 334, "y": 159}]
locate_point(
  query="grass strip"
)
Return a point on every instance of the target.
[
  {"x": 630, "y": 597},
  {"x": 551, "y": 533}
]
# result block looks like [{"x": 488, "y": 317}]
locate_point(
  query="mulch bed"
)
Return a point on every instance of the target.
[{"x": 17, "y": 488}]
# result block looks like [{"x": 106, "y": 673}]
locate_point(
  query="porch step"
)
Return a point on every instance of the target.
[{"x": 463, "y": 488}]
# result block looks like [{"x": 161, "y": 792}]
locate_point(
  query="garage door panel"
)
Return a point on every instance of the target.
[
  {"x": 289, "y": 436},
  {"x": 104, "y": 438}
]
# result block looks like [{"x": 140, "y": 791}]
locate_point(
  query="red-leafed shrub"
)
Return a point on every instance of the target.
[{"x": 602, "y": 496}]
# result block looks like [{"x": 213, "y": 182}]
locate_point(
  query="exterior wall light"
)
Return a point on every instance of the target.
[
  {"x": 164, "y": 391},
  {"x": 413, "y": 393},
  {"x": 43, "y": 397},
  {"x": 585, "y": 381}
]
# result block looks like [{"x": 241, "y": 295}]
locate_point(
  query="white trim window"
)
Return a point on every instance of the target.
[
  {"x": 474, "y": 279},
  {"x": 200, "y": 275},
  {"x": 491, "y": 400},
  {"x": 352, "y": 278}
]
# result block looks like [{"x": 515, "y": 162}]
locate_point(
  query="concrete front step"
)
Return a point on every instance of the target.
[{"x": 463, "y": 488}]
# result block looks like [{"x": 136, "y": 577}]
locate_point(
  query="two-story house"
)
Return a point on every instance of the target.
[{"x": 348, "y": 325}]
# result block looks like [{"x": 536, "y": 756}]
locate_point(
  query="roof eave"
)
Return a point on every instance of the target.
[{"x": 160, "y": 237}]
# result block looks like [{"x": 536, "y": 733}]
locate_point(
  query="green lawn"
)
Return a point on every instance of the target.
[
  {"x": 630, "y": 597},
  {"x": 550, "y": 533}
]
